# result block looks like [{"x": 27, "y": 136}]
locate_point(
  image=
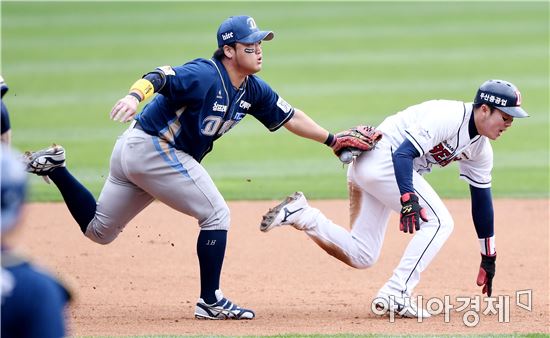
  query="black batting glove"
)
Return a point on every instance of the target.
[
  {"x": 411, "y": 213},
  {"x": 486, "y": 273}
]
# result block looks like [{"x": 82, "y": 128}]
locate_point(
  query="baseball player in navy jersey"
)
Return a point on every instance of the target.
[
  {"x": 33, "y": 301},
  {"x": 390, "y": 178},
  {"x": 159, "y": 156}
]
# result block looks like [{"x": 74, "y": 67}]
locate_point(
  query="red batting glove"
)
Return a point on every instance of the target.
[
  {"x": 486, "y": 273},
  {"x": 411, "y": 213}
]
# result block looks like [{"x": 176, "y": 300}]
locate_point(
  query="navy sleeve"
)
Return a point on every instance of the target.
[
  {"x": 5, "y": 119},
  {"x": 403, "y": 166},
  {"x": 269, "y": 108},
  {"x": 482, "y": 211}
]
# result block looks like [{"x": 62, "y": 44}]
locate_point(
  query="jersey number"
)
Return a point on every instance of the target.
[{"x": 213, "y": 125}]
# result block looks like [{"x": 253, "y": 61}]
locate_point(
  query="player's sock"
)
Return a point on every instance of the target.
[
  {"x": 211, "y": 252},
  {"x": 79, "y": 200}
]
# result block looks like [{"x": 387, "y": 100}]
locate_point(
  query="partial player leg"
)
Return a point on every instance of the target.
[
  {"x": 119, "y": 201},
  {"x": 426, "y": 242},
  {"x": 179, "y": 181},
  {"x": 352, "y": 247},
  {"x": 50, "y": 162},
  {"x": 396, "y": 294}
]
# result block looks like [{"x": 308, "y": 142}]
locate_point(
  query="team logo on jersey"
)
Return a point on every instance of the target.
[
  {"x": 244, "y": 105},
  {"x": 239, "y": 116},
  {"x": 443, "y": 153},
  {"x": 219, "y": 107},
  {"x": 167, "y": 70},
  {"x": 285, "y": 106},
  {"x": 219, "y": 96}
]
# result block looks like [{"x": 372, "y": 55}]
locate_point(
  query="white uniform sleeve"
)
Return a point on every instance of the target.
[{"x": 476, "y": 164}]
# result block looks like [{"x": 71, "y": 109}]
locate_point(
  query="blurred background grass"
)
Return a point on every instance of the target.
[{"x": 344, "y": 63}]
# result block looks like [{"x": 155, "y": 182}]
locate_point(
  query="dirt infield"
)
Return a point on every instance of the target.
[{"x": 146, "y": 281}]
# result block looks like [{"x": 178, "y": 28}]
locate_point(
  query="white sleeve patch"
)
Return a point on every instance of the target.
[
  {"x": 285, "y": 106},
  {"x": 167, "y": 70}
]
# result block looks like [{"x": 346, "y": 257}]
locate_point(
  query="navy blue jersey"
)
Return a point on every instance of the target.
[
  {"x": 198, "y": 104},
  {"x": 33, "y": 302},
  {"x": 5, "y": 118}
]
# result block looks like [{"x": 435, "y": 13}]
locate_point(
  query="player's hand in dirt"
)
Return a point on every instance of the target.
[{"x": 486, "y": 273}]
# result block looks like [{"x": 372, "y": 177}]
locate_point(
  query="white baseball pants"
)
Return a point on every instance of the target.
[{"x": 373, "y": 194}]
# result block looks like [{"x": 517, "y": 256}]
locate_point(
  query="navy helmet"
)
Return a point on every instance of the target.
[
  {"x": 502, "y": 95},
  {"x": 13, "y": 185}
]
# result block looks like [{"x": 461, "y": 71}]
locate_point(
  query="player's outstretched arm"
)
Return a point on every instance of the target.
[
  {"x": 358, "y": 139},
  {"x": 304, "y": 126}
]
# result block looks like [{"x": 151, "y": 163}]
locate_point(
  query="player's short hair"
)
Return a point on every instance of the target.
[
  {"x": 219, "y": 54},
  {"x": 491, "y": 108}
]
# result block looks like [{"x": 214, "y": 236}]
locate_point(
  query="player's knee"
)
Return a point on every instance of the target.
[
  {"x": 218, "y": 219},
  {"x": 364, "y": 258},
  {"x": 101, "y": 234},
  {"x": 447, "y": 225},
  {"x": 365, "y": 261},
  {"x": 447, "y": 221},
  {"x": 100, "y": 240}
]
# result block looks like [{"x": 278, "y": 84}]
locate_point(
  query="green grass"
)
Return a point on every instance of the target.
[{"x": 343, "y": 63}]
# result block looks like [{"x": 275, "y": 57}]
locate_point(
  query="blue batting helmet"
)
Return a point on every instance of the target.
[{"x": 502, "y": 95}]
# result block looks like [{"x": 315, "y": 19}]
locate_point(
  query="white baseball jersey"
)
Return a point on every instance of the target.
[{"x": 438, "y": 129}]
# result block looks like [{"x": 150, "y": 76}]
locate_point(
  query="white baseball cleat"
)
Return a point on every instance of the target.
[
  {"x": 44, "y": 161},
  {"x": 222, "y": 309},
  {"x": 398, "y": 305},
  {"x": 286, "y": 213}
]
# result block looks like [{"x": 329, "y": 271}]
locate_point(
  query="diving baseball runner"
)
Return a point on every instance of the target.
[
  {"x": 390, "y": 178},
  {"x": 159, "y": 156}
]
